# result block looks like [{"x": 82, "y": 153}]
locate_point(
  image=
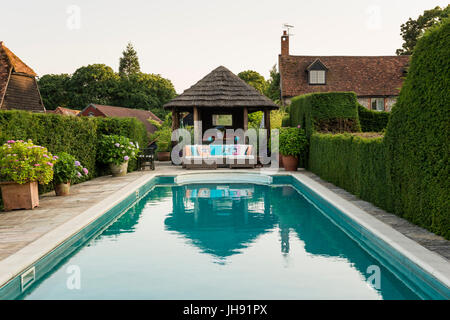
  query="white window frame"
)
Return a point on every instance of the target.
[
  {"x": 317, "y": 77},
  {"x": 379, "y": 104}
]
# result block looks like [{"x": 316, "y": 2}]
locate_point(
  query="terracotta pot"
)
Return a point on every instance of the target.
[
  {"x": 163, "y": 155},
  {"x": 20, "y": 196},
  {"x": 62, "y": 189},
  {"x": 290, "y": 163},
  {"x": 119, "y": 170},
  {"x": 280, "y": 160}
]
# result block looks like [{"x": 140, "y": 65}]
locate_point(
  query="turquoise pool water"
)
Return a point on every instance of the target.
[{"x": 231, "y": 241}]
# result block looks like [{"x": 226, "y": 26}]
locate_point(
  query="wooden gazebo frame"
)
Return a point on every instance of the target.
[{"x": 220, "y": 92}]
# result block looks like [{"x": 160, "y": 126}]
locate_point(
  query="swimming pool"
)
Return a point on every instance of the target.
[{"x": 187, "y": 239}]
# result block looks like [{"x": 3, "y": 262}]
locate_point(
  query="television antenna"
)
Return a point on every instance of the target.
[{"x": 287, "y": 27}]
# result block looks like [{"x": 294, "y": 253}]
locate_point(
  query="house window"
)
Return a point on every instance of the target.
[
  {"x": 317, "y": 77},
  {"x": 377, "y": 104},
  {"x": 90, "y": 114},
  {"x": 225, "y": 120}
]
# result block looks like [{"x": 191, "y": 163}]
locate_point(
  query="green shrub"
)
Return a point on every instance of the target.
[
  {"x": 24, "y": 162},
  {"x": 116, "y": 149},
  {"x": 418, "y": 135},
  {"x": 325, "y": 112},
  {"x": 67, "y": 169},
  {"x": 353, "y": 163},
  {"x": 372, "y": 121},
  {"x": 292, "y": 141},
  {"x": 128, "y": 127}
]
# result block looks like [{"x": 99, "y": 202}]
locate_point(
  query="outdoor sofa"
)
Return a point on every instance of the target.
[{"x": 218, "y": 155}]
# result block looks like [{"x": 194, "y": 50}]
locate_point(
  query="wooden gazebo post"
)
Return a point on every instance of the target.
[
  {"x": 245, "y": 119},
  {"x": 267, "y": 122}
]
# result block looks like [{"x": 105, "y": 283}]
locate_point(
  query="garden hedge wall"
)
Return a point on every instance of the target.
[
  {"x": 353, "y": 163},
  {"x": 372, "y": 121},
  {"x": 75, "y": 135},
  {"x": 325, "y": 112},
  {"x": 418, "y": 136},
  {"x": 407, "y": 171}
]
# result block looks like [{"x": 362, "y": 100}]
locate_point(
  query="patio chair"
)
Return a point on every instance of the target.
[{"x": 146, "y": 159}]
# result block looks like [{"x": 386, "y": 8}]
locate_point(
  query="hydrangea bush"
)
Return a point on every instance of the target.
[
  {"x": 117, "y": 149},
  {"x": 67, "y": 169},
  {"x": 24, "y": 162}
]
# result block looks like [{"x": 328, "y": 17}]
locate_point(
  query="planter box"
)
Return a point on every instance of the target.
[
  {"x": 20, "y": 196},
  {"x": 163, "y": 156}
]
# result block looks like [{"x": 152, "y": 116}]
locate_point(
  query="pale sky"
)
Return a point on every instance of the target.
[{"x": 183, "y": 40}]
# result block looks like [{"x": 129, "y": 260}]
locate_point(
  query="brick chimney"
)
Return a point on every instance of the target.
[{"x": 285, "y": 44}]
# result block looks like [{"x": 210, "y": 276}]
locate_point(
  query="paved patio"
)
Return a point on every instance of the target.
[{"x": 20, "y": 228}]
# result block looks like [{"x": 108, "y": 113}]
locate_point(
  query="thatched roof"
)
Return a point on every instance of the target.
[{"x": 221, "y": 89}]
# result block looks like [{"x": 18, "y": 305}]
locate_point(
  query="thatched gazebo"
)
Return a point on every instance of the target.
[{"x": 220, "y": 94}]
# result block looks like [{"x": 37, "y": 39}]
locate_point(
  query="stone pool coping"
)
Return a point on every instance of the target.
[{"x": 24, "y": 258}]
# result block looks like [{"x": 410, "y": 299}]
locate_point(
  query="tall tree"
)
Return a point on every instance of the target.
[
  {"x": 55, "y": 91},
  {"x": 94, "y": 83},
  {"x": 254, "y": 79},
  {"x": 273, "y": 85},
  {"x": 129, "y": 62},
  {"x": 412, "y": 30}
]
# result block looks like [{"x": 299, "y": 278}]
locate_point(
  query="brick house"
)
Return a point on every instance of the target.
[
  {"x": 18, "y": 86},
  {"x": 97, "y": 110},
  {"x": 376, "y": 80}
]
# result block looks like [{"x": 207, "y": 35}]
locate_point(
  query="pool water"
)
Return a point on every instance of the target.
[{"x": 212, "y": 241}]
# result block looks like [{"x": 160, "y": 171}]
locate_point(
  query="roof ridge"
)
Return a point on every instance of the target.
[{"x": 18, "y": 65}]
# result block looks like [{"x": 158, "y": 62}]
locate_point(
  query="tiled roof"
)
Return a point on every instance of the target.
[
  {"x": 365, "y": 75},
  {"x": 18, "y": 65},
  {"x": 18, "y": 86},
  {"x": 142, "y": 115},
  {"x": 66, "y": 111}
]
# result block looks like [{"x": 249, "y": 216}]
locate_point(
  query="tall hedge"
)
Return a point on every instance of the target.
[
  {"x": 354, "y": 163},
  {"x": 74, "y": 135},
  {"x": 325, "y": 112},
  {"x": 372, "y": 121},
  {"x": 417, "y": 136}
]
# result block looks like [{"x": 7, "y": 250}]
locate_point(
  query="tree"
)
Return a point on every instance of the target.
[
  {"x": 54, "y": 89},
  {"x": 144, "y": 91},
  {"x": 412, "y": 30},
  {"x": 254, "y": 79},
  {"x": 273, "y": 85},
  {"x": 94, "y": 83},
  {"x": 129, "y": 62}
]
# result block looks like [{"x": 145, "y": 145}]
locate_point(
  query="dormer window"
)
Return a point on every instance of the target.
[
  {"x": 317, "y": 77},
  {"x": 317, "y": 72}
]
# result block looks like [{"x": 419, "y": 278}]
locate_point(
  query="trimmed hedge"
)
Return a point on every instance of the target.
[
  {"x": 75, "y": 135},
  {"x": 353, "y": 163},
  {"x": 325, "y": 112},
  {"x": 372, "y": 121},
  {"x": 418, "y": 135},
  {"x": 407, "y": 171}
]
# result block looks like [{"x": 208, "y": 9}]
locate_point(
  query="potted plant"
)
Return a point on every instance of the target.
[
  {"x": 22, "y": 166},
  {"x": 163, "y": 138},
  {"x": 117, "y": 151},
  {"x": 293, "y": 142},
  {"x": 65, "y": 171}
]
